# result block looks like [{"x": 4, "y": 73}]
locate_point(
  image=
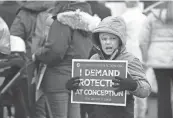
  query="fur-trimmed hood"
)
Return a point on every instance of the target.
[{"x": 79, "y": 20}]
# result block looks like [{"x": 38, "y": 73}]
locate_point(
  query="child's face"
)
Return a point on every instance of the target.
[{"x": 109, "y": 42}]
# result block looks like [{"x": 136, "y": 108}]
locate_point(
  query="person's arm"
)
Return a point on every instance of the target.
[
  {"x": 137, "y": 73},
  {"x": 18, "y": 26},
  {"x": 12, "y": 61},
  {"x": 56, "y": 45},
  {"x": 145, "y": 39}
]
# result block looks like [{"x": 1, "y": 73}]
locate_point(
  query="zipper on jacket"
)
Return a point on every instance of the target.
[{"x": 98, "y": 50}]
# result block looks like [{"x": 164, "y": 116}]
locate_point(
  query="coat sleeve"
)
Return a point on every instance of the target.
[
  {"x": 18, "y": 25},
  {"x": 56, "y": 46},
  {"x": 145, "y": 38},
  {"x": 23, "y": 25},
  {"x": 138, "y": 74}
]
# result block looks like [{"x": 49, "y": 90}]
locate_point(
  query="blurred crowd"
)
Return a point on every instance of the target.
[{"x": 38, "y": 41}]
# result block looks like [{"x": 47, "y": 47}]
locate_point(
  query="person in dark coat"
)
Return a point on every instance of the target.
[{"x": 69, "y": 38}]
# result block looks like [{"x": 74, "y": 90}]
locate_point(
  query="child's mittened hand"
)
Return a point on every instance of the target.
[
  {"x": 122, "y": 84},
  {"x": 73, "y": 83}
]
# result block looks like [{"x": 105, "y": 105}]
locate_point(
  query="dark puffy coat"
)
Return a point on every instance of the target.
[{"x": 68, "y": 39}]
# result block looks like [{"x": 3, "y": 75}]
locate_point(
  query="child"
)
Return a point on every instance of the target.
[{"x": 109, "y": 38}]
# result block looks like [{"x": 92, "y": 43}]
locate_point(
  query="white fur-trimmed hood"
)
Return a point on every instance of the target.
[{"x": 79, "y": 20}]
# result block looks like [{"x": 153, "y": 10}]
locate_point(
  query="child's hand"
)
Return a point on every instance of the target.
[
  {"x": 122, "y": 84},
  {"x": 73, "y": 83}
]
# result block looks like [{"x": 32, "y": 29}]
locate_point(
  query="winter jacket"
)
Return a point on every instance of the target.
[
  {"x": 157, "y": 42},
  {"x": 135, "y": 69},
  {"x": 68, "y": 39},
  {"x": 23, "y": 25}
]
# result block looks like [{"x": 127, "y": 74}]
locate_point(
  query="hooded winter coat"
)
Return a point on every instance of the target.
[
  {"x": 23, "y": 25},
  {"x": 117, "y": 27},
  {"x": 68, "y": 39},
  {"x": 157, "y": 40}
]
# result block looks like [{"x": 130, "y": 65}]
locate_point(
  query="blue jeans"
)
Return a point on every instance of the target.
[{"x": 60, "y": 106}]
